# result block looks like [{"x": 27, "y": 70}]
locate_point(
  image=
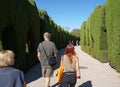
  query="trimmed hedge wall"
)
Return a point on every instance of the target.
[
  {"x": 100, "y": 34},
  {"x": 19, "y": 25},
  {"x": 94, "y": 35},
  {"x": 113, "y": 30},
  {"x": 21, "y": 29}
]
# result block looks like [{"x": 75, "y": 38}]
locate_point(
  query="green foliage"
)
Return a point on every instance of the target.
[
  {"x": 34, "y": 25},
  {"x": 1, "y": 45},
  {"x": 94, "y": 36},
  {"x": 59, "y": 35},
  {"x": 82, "y": 34},
  {"x": 19, "y": 25},
  {"x": 100, "y": 34},
  {"x": 113, "y": 25},
  {"x": 75, "y": 32}
]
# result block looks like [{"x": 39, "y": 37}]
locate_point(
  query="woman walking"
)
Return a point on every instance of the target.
[{"x": 71, "y": 67}]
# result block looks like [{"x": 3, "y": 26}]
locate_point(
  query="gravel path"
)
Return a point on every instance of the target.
[{"x": 93, "y": 73}]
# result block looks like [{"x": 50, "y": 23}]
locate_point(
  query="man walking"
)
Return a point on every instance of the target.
[{"x": 50, "y": 49}]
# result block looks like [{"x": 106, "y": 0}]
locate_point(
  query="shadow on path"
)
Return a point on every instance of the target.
[
  {"x": 60, "y": 53},
  {"x": 83, "y": 67},
  {"x": 86, "y": 84},
  {"x": 33, "y": 74}
]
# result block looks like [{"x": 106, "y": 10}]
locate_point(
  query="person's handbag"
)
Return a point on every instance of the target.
[
  {"x": 51, "y": 59},
  {"x": 59, "y": 72}
]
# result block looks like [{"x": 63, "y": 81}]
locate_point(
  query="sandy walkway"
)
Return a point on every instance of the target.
[{"x": 93, "y": 73}]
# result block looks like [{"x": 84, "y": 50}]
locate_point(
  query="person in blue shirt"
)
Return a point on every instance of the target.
[{"x": 10, "y": 76}]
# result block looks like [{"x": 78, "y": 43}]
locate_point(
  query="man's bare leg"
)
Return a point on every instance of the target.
[{"x": 47, "y": 81}]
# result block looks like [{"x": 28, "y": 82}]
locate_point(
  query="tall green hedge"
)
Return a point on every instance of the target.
[
  {"x": 82, "y": 34},
  {"x": 100, "y": 34},
  {"x": 21, "y": 29},
  {"x": 113, "y": 31},
  {"x": 94, "y": 35}
]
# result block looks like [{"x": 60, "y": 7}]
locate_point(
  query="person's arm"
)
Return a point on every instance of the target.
[
  {"x": 55, "y": 50},
  {"x": 25, "y": 85},
  {"x": 56, "y": 54},
  {"x": 78, "y": 68},
  {"x": 20, "y": 80},
  {"x": 38, "y": 50},
  {"x": 38, "y": 55}
]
